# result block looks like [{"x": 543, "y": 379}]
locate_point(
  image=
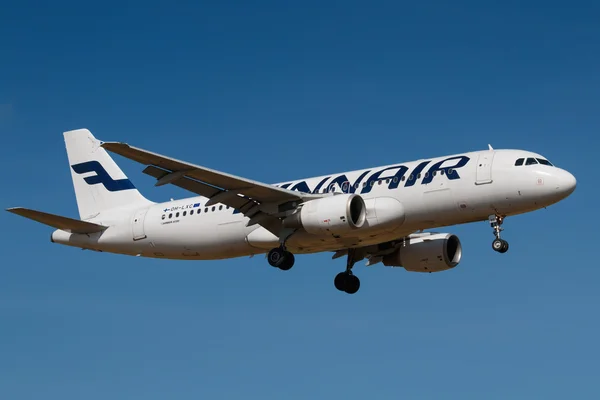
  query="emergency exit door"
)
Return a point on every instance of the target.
[{"x": 484, "y": 168}]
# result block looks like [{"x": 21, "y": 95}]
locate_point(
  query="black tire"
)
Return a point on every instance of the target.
[
  {"x": 498, "y": 245},
  {"x": 504, "y": 248},
  {"x": 352, "y": 284},
  {"x": 276, "y": 257},
  {"x": 287, "y": 261},
  {"x": 340, "y": 281}
]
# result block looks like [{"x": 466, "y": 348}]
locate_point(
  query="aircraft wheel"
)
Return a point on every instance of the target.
[
  {"x": 352, "y": 284},
  {"x": 346, "y": 282},
  {"x": 287, "y": 262},
  {"x": 276, "y": 257},
  {"x": 340, "y": 281},
  {"x": 504, "y": 247},
  {"x": 498, "y": 245}
]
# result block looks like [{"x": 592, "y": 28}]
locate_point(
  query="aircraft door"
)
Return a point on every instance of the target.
[
  {"x": 484, "y": 168},
  {"x": 138, "y": 224}
]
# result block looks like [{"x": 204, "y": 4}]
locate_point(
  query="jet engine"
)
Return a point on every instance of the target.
[
  {"x": 330, "y": 215},
  {"x": 431, "y": 253}
]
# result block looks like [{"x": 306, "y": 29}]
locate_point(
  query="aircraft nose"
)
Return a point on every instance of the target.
[{"x": 566, "y": 183}]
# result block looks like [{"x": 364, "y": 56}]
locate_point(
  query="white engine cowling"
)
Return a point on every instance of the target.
[
  {"x": 331, "y": 215},
  {"x": 431, "y": 253}
]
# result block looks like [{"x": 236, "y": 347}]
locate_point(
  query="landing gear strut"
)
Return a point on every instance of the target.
[
  {"x": 346, "y": 281},
  {"x": 499, "y": 245}
]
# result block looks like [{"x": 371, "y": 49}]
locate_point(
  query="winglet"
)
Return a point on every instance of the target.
[
  {"x": 490, "y": 147},
  {"x": 58, "y": 222}
]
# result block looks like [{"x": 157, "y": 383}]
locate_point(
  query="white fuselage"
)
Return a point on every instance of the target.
[{"x": 400, "y": 199}]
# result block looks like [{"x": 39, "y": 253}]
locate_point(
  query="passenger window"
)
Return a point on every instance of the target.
[
  {"x": 191, "y": 212},
  {"x": 450, "y": 171},
  {"x": 442, "y": 172},
  {"x": 418, "y": 176},
  {"x": 184, "y": 213},
  {"x": 220, "y": 208},
  {"x": 379, "y": 182},
  {"x": 177, "y": 215},
  {"x": 433, "y": 173},
  {"x": 426, "y": 174},
  {"x": 403, "y": 178},
  {"x": 519, "y": 162},
  {"x": 206, "y": 209},
  {"x": 395, "y": 179},
  {"x": 213, "y": 208},
  {"x": 411, "y": 177},
  {"x": 531, "y": 161},
  {"x": 163, "y": 217},
  {"x": 171, "y": 215}
]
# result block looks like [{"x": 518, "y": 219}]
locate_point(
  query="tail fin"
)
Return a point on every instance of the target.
[{"x": 99, "y": 183}]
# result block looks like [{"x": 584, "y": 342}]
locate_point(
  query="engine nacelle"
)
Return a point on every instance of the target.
[
  {"x": 431, "y": 253},
  {"x": 330, "y": 215}
]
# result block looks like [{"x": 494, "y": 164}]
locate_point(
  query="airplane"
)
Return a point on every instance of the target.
[{"x": 379, "y": 214}]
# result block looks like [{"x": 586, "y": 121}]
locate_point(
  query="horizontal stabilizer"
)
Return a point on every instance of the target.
[{"x": 58, "y": 222}]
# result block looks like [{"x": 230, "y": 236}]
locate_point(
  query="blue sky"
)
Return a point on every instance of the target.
[{"x": 275, "y": 91}]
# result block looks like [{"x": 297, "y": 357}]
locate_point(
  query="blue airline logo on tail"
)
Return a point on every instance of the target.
[{"x": 101, "y": 176}]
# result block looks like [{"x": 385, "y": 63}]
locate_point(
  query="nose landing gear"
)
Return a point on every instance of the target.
[
  {"x": 499, "y": 245},
  {"x": 346, "y": 281}
]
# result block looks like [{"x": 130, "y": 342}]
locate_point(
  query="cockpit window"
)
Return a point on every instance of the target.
[
  {"x": 531, "y": 161},
  {"x": 545, "y": 162}
]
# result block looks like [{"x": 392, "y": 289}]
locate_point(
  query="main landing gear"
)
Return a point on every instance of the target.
[
  {"x": 280, "y": 258},
  {"x": 346, "y": 281},
  {"x": 499, "y": 245}
]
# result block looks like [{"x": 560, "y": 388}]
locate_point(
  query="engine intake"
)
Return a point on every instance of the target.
[
  {"x": 330, "y": 215},
  {"x": 431, "y": 253}
]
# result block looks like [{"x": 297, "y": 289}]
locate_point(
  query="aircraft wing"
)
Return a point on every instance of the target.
[{"x": 258, "y": 201}]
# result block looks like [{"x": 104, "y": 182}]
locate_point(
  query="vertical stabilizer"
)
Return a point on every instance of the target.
[{"x": 99, "y": 183}]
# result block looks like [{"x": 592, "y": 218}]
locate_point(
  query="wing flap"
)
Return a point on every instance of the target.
[
  {"x": 57, "y": 221},
  {"x": 199, "y": 188},
  {"x": 233, "y": 200},
  {"x": 202, "y": 189}
]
